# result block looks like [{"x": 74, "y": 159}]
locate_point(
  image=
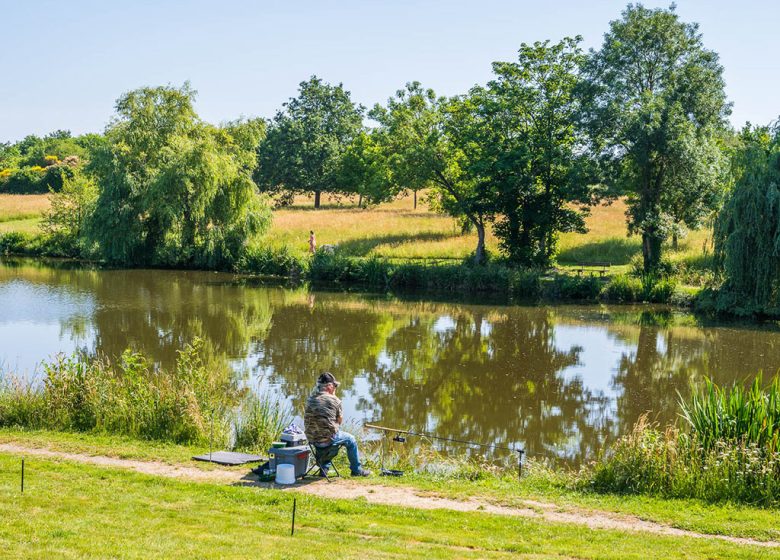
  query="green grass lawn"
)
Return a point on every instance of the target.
[
  {"x": 71, "y": 510},
  {"x": 693, "y": 515}
]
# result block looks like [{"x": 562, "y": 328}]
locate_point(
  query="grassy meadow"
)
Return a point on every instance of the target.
[
  {"x": 87, "y": 511},
  {"x": 22, "y": 212},
  {"x": 397, "y": 231}
]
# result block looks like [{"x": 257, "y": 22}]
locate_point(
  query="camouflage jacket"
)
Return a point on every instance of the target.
[{"x": 322, "y": 416}]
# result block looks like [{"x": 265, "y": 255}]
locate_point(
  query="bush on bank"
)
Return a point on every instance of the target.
[
  {"x": 727, "y": 450},
  {"x": 381, "y": 274},
  {"x": 189, "y": 405}
]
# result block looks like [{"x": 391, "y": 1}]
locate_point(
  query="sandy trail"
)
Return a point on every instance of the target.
[{"x": 390, "y": 495}]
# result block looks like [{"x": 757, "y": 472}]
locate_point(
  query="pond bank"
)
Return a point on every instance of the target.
[{"x": 754, "y": 529}]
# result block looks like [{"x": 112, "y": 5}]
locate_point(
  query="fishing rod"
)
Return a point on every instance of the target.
[{"x": 401, "y": 439}]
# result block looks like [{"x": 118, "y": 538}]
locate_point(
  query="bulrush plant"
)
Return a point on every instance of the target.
[
  {"x": 751, "y": 416},
  {"x": 196, "y": 402},
  {"x": 726, "y": 450}
]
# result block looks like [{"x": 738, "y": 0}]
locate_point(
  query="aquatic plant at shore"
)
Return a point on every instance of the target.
[
  {"x": 725, "y": 451},
  {"x": 194, "y": 403}
]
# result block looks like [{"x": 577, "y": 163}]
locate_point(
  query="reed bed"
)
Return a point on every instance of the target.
[
  {"x": 725, "y": 450},
  {"x": 196, "y": 402}
]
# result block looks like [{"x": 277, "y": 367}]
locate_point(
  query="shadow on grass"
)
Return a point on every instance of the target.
[
  {"x": 364, "y": 245},
  {"x": 615, "y": 250}
]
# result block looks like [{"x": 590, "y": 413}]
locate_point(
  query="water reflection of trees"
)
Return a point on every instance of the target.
[
  {"x": 496, "y": 381},
  {"x": 157, "y": 312},
  {"x": 489, "y": 374},
  {"x": 492, "y": 380},
  {"x": 667, "y": 360}
]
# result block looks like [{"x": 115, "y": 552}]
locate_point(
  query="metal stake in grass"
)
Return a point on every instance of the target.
[
  {"x": 211, "y": 434},
  {"x": 292, "y": 530},
  {"x": 22, "y": 475}
]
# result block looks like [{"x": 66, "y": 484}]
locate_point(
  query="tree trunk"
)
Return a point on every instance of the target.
[
  {"x": 674, "y": 241},
  {"x": 316, "y": 199},
  {"x": 360, "y": 201},
  {"x": 651, "y": 250},
  {"x": 415, "y": 200},
  {"x": 479, "y": 255}
]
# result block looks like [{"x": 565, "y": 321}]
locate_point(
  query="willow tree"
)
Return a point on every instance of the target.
[
  {"x": 747, "y": 231},
  {"x": 657, "y": 106},
  {"x": 174, "y": 191}
]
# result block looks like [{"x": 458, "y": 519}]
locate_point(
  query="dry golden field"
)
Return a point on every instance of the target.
[{"x": 396, "y": 230}]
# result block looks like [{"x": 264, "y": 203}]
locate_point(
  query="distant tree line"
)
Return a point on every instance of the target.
[{"x": 553, "y": 133}]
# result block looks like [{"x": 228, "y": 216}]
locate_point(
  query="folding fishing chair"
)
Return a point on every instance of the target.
[{"x": 323, "y": 456}]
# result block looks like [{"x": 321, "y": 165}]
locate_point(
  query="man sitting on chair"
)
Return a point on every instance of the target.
[{"x": 322, "y": 420}]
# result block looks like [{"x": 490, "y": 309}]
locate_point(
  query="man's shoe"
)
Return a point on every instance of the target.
[{"x": 362, "y": 472}]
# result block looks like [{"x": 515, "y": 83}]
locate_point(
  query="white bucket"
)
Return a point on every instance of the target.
[{"x": 285, "y": 474}]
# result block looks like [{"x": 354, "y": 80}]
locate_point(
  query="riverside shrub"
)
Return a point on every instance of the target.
[
  {"x": 134, "y": 398},
  {"x": 726, "y": 451}
]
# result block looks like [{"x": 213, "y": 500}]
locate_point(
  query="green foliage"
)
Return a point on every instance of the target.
[
  {"x": 646, "y": 288},
  {"x": 174, "y": 191},
  {"x": 134, "y": 398},
  {"x": 623, "y": 288},
  {"x": 364, "y": 170},
  {"x": 574, "y": 287},
  {"x": 530, "y": 149},
  {"x": 20, "y": 243},
  {"x": 39, "y": 165},
  {"x": 747, "y": 231},
  {"x": 259, "y": 422},
  {"x": 70, "y": 209},
  {"x": 272, "y": 261},
  {"x": 26, "y": 180},
  {"x": 305, "y": 142},
  {"x": 729, "y": 452},
  {"x": 382, "y": 274},
  {"x": 672, "y": 464},
  {"x": 735, "y": 415},
  {"x": 426, "y": 138},
  {"x": 657, "y": 106},
  {"x": 526, "y": 284}
]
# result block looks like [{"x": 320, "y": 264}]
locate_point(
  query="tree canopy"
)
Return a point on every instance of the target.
[
  {"x": 425, "y": 136},
  {"x": 657, "y": 103},
  {"x": 302, "y": 151},
  {"x": 174, "y": 190},
  {"x": 747, "y": 232},
  {"x": 530, "y": 148}
]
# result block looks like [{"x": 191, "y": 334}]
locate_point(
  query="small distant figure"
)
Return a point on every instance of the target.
[{"x": 312, "y": 242}]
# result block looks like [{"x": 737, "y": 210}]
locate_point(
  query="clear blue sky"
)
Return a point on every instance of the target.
[{"x": 63, "y": 64}]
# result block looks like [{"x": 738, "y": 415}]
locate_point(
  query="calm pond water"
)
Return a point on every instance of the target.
[{"x": 559, "y": 380}]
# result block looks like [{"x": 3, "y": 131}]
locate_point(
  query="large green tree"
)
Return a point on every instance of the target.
[
  {"x": 657, "y": 106},
  {"x": 364, "y": 170},
  {"x": 174, "y": 190},
  {"x": 426, "y": 138},
  {"x": 525, "y": 142},
  {"x": 302, "y": 151}
]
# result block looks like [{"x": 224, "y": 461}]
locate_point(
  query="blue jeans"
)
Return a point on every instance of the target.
[{"x": 343, "y": 439}]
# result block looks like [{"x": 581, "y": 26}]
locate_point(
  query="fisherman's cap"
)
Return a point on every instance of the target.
[{"x": 326, "y": 378}]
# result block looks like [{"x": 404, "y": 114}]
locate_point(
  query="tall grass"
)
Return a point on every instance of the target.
[
  {"x": 736, "y": 414},
  {"x": 192, "y": 404},
  {"x": 726, "y": 450}
]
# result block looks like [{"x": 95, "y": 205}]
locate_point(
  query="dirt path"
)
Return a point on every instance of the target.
[{"x": 390, "y": 495}]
